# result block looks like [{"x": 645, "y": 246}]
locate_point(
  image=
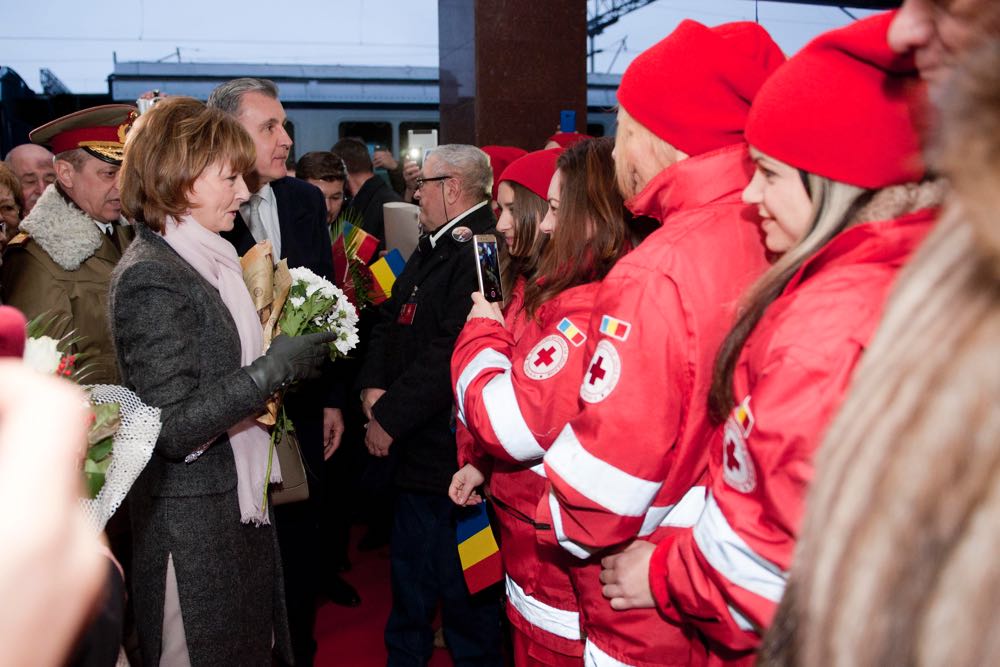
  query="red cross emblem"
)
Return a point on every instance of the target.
[
  {"x": 596, "y": 372},
  {"x": 545, "y": 356},
  {"x": 602, "y": 374}
]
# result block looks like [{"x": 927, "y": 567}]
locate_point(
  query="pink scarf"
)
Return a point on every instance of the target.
[{"x": 216, "y": 261}]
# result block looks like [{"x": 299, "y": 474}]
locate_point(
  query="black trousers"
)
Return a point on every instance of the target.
[{"x": 425, "y": 572}]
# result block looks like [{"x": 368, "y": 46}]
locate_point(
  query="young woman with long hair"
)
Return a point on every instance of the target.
[
  {"x": 901, "y": 530},
  {"x": 516, "y": 392},
  {"x": 840, "y": 192}
]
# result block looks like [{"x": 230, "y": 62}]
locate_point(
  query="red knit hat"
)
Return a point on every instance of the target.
[
  {"x": 500, "y": 157},
  {"x": 693, "y": 89},
  {"x": 845, "y": 107},
  {"x": 534, "y": 171},
  {"x": 567, "y": 139},
  {"x": 12, "y": 332}
]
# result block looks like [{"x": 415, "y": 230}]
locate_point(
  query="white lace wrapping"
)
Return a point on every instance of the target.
[{"x": 131, "y": 449}]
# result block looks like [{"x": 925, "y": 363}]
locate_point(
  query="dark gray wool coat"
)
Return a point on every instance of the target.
[{"x": 177, "y": 348}]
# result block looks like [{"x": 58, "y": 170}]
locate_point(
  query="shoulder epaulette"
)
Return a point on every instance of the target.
[{"x": 19, "y": 239}]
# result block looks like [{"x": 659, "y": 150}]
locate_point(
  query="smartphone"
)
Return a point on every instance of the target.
[
  {"x": 419, "y": 143},
  {"x": 488, "y": 267},
  {"x": 567, "y": 121}
]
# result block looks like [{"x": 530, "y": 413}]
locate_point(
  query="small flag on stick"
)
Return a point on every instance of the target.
[
  {"x": 385, "y": 271},
  {"x": 477, "y": 548}
]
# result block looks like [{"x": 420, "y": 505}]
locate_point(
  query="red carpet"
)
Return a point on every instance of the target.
[{"x": 352, "y": 637}]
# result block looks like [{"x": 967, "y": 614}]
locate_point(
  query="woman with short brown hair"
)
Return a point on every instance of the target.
[{"x": 207, "y": 574}]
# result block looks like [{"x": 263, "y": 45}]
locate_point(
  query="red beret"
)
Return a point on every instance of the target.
[
  {"x": 500, "y": 157},
  {"x": 845, "y": 107},
  {"x": 533, "y": 171},
  {"x": 567, "y": 139},
  {"x": 12, "y": 332},
  {"x": 693, "y": 89}
]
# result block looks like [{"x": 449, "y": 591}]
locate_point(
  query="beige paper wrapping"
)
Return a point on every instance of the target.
[{"x": 269, "y": 286}]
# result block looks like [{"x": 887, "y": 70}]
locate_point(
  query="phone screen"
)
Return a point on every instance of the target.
[{"x": 488, "y": 267}]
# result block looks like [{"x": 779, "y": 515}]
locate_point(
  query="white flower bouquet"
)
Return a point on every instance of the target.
[
  {"x": 294, "y": 302},
  {"x": 316, "y": 305}
]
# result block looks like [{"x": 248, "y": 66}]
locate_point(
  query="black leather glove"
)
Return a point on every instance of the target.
[{"x": 290, "y": 358}]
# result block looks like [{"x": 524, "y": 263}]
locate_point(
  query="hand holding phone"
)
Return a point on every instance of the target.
[{"x": 488, "y": 267}]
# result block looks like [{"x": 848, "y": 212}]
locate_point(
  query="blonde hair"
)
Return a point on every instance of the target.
[
  {"x": 895, "y": 564},
  {"x": 175, "y": 142},
  {"x": 660, "y": 153},
  {"x": 835, "y": 207}
]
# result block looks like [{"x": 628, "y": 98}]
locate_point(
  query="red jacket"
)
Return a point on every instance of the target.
[
  {"x": 515, "y": 321},
  {"x": 514, "y": 394},
  {"x": 726, "y": 575},
  {"x": 621, "y": 468}
]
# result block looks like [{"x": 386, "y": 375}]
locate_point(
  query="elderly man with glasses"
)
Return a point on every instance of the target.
[{"x": 407, "y": 398}]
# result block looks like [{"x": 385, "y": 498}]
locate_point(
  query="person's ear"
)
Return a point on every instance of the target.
[
  {"x": 452, "y": 190},
  {"x": 65, "y": 173}
]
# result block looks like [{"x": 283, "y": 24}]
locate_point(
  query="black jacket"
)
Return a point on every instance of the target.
[
  {"x": 412, "y": 362},
  {"x": 368, "y": 202}
]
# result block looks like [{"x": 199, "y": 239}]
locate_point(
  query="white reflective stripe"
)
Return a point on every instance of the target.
[
  {"x": 600, "y": 482},
  {"x": 557, "y": 621},
  {"x": 687, "y": 510},
  {"x": 733, "y": 558},
  {"x": 683, "y": 514},
  {"x": 512, "y": 432},
  {"x": 654, "y": 517},
  {"x": 595, "y": 657},
  {"x": 538, "y": 469},
  {"x": 483, "y": 361},
  {"x": 742, "y": 622},
  {"x": 569, "y": 545}
]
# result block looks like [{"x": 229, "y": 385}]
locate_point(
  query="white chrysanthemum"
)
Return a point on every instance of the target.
[
  {"x": 42, "y": 354},
  {"x": 302, "y": 274},
  {"x": 297, "y": 301}
]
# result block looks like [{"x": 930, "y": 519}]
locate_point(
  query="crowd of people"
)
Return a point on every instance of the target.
[{"x": 737, "y": 404}]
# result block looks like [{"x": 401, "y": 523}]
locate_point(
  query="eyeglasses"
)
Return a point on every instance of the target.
[{"x": 421, "y": 181}]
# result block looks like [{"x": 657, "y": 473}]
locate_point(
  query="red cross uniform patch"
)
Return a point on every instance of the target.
[
  {"x": 602, "y": 373},
  {"x": 737, "y": 466},
  {"x": 547, "y": 358}
]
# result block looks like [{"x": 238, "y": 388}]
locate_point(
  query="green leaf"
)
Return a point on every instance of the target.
[{"x": 94, "y": 475}]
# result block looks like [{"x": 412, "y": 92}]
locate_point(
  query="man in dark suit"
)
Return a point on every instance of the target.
[
  {"x": 368, "y": 191},
  {"x": 292, "y": 215},
  {"x": 407, "y": 397}
]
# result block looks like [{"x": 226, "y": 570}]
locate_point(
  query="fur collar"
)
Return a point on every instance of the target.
[{"x": 66, "y": 233}]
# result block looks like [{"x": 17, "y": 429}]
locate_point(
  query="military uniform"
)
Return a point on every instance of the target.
[{"x": 60, "y": 267}]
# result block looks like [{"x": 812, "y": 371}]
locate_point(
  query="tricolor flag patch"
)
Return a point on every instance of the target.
[
  {"x": 743, "y": 417},
  {"x": 572, "y": 333},
  {"x": 615, "y": 328},
  {"x": 477, "y": 548}
]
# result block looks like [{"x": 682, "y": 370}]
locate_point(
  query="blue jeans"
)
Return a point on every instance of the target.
[{"x": 426, "y": 570}]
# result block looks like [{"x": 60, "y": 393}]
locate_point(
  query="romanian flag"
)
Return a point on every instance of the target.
[
  {"x": 572, "y": 333},
  {"x": 615, "y": 328},
  {"x": 477, "y": 548},
  {"x": 359, "y": 243},
  {"x": 385, "y": 271}
]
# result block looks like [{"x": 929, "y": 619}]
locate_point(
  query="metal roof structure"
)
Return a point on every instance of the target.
[{"x": 311, "y": 84}]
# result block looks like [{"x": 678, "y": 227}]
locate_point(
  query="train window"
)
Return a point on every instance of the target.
[
  {"x": 374, "y": 134},
  {"x": 595, "y": 129}
]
